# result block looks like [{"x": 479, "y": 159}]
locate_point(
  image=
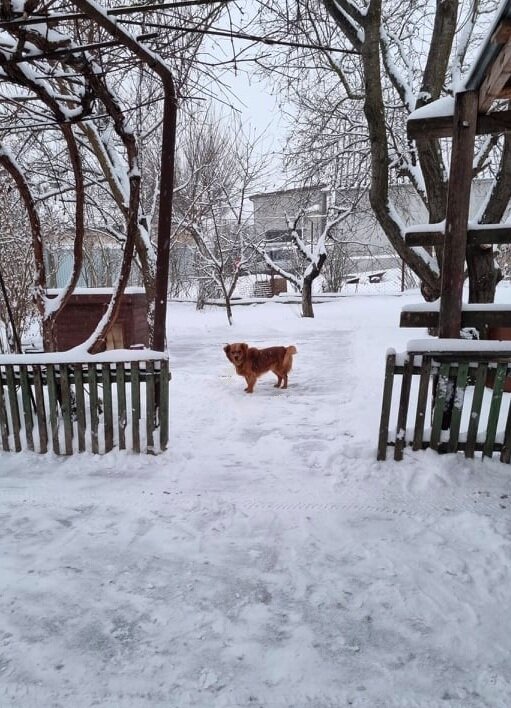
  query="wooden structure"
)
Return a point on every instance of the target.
[
  {"x": 64, "y": 398},
  {"x": 84, "y": 309},
  {"x": 488, "y": 81},
  {"x": 93, "y": 404},
  {"x": 270, "y": 287},
  {"x": 449, "y": 388}
]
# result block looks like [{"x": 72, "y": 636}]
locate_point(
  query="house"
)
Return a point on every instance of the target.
[{"x": 362, "y": 239}]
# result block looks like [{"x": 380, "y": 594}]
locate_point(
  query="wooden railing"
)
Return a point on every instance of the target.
[
  {"x": 448, "y": 400},
  {"x": 95, "y": 404}
]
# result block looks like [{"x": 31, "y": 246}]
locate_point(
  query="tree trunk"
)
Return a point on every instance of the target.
[
  {"x": 307, "y": 310},
  {"x": 228, "y": 309},
  {"x": 482, "y": 274},
  {"x": 374, "y": 110},
  {"x": 311, "y": 274}
]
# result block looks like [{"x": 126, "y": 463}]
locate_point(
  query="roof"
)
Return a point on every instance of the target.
[
  {"x": 489, "y": 50},
  {"x": 278, "y": 192}
]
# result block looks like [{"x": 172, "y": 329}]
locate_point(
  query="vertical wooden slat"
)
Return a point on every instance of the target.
[
  {"x": 383, "y": 437},
  {"x": 4, "y": 427},
  {"x": 457, "y": 409},
  {"x": 402, "y": 414},
  {"x": 40, "y": 408},
  {"x": 150, "y": 408},
  {"x": 94, "y": 407},
  {"x": 121, "y": 404},
  {"x": 27, "y": 406},
  {"x": 13, "y": 405},
  {"x": 93, "y": 402},
  {"x": 457, "y": 212},
  {"x": 53, "y": 407},
  {"x": 422, "y": 402},
  {"x": 475, "y": 411},
  {"x": 65, "y": 407},
  {"x": 135, "y": 406},
  {"x": 108, "y": 422},
  {"x": 493, "y": 416},
  {"x": 442, "y": 394},
  {"x": 505, "y": 454},
  {"x": 81, "y": 417},
  {"x": 164, "y": 405}
]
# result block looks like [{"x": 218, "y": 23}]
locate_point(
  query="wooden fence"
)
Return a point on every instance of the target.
[
  {"x": 449, "y": 401},
  {"x": 94, "y": 405}
]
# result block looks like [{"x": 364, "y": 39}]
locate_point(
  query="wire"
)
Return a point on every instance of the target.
[
  {"x": 242, "y": 35},
  {"x": 125, "y": 10}
]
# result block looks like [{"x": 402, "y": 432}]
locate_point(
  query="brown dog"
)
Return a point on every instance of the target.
[{"x": 252, "y": 363}]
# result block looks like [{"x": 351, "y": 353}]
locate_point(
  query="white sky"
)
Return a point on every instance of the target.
[{"x": 251, "y": 95}]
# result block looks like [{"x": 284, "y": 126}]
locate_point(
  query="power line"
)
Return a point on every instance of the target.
[
  {"x": 124, "y": 10},
  {"x": 242, "y": 35}
]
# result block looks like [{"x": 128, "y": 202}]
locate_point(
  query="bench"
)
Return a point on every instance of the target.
[
  {"x": 94, "y": 403},
  {"x": 445, "y": 402}
]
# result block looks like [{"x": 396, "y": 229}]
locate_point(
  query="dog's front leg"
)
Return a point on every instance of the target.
[{"x": 250, "y": 383}]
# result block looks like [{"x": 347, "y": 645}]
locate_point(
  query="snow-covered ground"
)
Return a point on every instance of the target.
[{"x": 266, "y": 560}]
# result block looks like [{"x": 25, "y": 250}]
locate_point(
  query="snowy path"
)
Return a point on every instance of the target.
[{"x": 267, "y": 560}]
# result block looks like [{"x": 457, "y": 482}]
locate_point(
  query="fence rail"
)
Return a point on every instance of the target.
[{"x": 93, "y": 405}]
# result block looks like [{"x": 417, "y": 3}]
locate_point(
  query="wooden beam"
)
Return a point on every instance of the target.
[
  {"x": 502, "y": 34},
  {"x": 496, "y": 79},
  {"x": 469, "y": 318},
  {"x": 427, "y": 239},
  {"x": 475, "y": 237},
  {"x": 458, "y": 201},
  {"x": 442, "y": 126}
]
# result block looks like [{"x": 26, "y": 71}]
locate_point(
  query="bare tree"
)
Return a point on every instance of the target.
[
  {"x": 313, "y": 256},
  {"x": 16, "y": 268},
  {"x": 218, "y": 166},
  {"x": 60, "y": 110}
]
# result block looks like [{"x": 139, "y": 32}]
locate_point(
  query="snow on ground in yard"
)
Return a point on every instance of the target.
[{"x": 266, "y": 560}]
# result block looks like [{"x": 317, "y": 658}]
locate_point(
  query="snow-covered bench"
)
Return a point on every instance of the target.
[
  {"x": 77, "y": 402},
  {"x": 444, "y": 401}
]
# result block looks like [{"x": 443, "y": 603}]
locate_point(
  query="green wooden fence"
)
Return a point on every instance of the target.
[
  {"x": 92, "y": 405},
  {"x": 449, "y": 401}
]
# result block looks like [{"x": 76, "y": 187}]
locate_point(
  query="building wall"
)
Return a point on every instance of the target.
[
  {"x": 270, "y": 211},
  {"x": 360, "y": 230}
]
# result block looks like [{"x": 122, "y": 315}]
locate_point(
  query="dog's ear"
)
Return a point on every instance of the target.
[
  {"x": 227, "y": 348},
  {"x": 244, "y": 347}
]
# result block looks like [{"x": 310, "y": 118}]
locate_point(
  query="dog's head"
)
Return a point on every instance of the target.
[{"x": 236, "y": 353}]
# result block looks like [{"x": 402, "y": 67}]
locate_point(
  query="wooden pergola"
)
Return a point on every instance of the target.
[
  {"x": 467, "y": 116},
  {"x": 451, "y": 396},
  {"x": 129, "y": 394}
]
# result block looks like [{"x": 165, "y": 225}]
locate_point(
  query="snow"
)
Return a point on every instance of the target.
[
  {"x": 466, "y": 307},
  {"x": 458, "y": 345},
  {"x": 435, "y": 227},
  {"x": 266, "y": 559},
  {"x": 441, "y": 108},
  {"x": 131, "y": 290},
  {"x": 79, "y": 355}
]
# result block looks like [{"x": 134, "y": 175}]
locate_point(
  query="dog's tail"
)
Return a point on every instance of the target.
[{"x": 288, "y": 357}]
